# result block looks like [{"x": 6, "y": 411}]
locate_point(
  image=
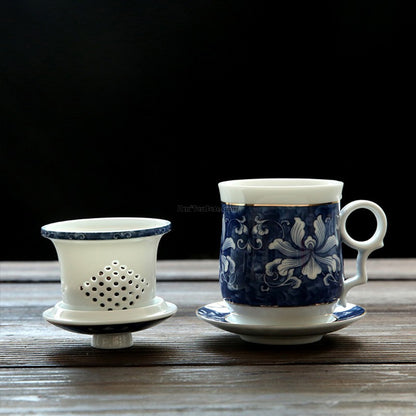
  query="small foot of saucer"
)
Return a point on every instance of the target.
[
  {"x": 112, "y": 341},
  {"x": 110, "y": 329},
  {"x": 218, "y": 315}
]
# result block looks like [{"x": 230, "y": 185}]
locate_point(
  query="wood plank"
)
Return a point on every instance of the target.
[
  {"x": 376, "y": 296},
  {"x": 186, "y": 270},
  {"x": 185, "y": 365},
  {"x": 386, "y": 334},
  {"x": 184, "y": 340},
  {"x": 344, "y": 390}
]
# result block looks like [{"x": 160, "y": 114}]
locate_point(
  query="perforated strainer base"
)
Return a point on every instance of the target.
[{"x": 114, "y": 287}]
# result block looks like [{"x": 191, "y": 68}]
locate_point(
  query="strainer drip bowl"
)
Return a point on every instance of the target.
[{"x": 106, "y": 327}]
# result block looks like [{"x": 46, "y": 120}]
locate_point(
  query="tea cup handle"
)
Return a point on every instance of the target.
[{"x": 364, "y": 248}]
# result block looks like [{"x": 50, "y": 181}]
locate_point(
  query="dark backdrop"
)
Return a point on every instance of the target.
[{"x": 139, "y": 108}]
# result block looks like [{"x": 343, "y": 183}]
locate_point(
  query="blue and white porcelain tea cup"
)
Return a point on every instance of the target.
[{"x": 281, "y": 257}]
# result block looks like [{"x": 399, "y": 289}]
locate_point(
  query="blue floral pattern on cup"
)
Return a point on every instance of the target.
[{"x": 281, "y": 255}]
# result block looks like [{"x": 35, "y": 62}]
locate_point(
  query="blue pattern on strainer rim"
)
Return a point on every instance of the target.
[{"x": 105, "y": 235}]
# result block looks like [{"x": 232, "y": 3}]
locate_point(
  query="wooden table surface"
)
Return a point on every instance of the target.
[{"x": 185, "y": 366}]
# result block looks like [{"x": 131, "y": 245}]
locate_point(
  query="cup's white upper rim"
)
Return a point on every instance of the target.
[
  {"x": 110, "y": 228},
  {"x": 281, "y": 182},
  {"x": 280, "y": 191}
]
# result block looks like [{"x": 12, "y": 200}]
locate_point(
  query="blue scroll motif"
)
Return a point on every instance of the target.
[
  {"x": 285, "y": 256},
  {"x": 105, "y": 235}
]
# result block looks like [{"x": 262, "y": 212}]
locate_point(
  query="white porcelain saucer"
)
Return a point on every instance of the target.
[
  {"x": 219, "y": 315},
  {"x": 110, "y": 329}
]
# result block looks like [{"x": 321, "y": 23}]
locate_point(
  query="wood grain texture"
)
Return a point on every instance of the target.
[
  {"x": 370, "y": 342},
  {"x": 212, "y": 390},
  {"x": 378, "y": 295},
  {"x": 186, "y": 366},
  {"x": 27, "y": 340},
  {"x": 41, "y": 271}
]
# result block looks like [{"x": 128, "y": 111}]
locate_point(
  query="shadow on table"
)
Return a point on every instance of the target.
[
  {"x": 86, "y": 356},
  {"x": 330, "y": 349},
  {"x": 221, "y": 349}
]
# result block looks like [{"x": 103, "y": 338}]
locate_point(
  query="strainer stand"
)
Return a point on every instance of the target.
[{"x": 110, "y": 329}]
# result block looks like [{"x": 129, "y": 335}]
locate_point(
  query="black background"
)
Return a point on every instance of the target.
[{"x": 139, "y": 108}]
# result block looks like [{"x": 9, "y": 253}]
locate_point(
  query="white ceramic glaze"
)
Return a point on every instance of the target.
[
  {"x": 111, "y": 329},
  {"x": 108, "y": 277},
  {"x": 292, "y": 316},
  {"x": 158, "y": 309},
  {"x": 280, "y": 191},
  {"x": 279, "y": 333},
  {"x": 364, "y": 248},
  {"x": 107, "y": 258},
  {"x": 112, "y": 341}
]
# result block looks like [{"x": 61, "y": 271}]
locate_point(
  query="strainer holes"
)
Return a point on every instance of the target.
[{"x": 114, "y": 286}]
